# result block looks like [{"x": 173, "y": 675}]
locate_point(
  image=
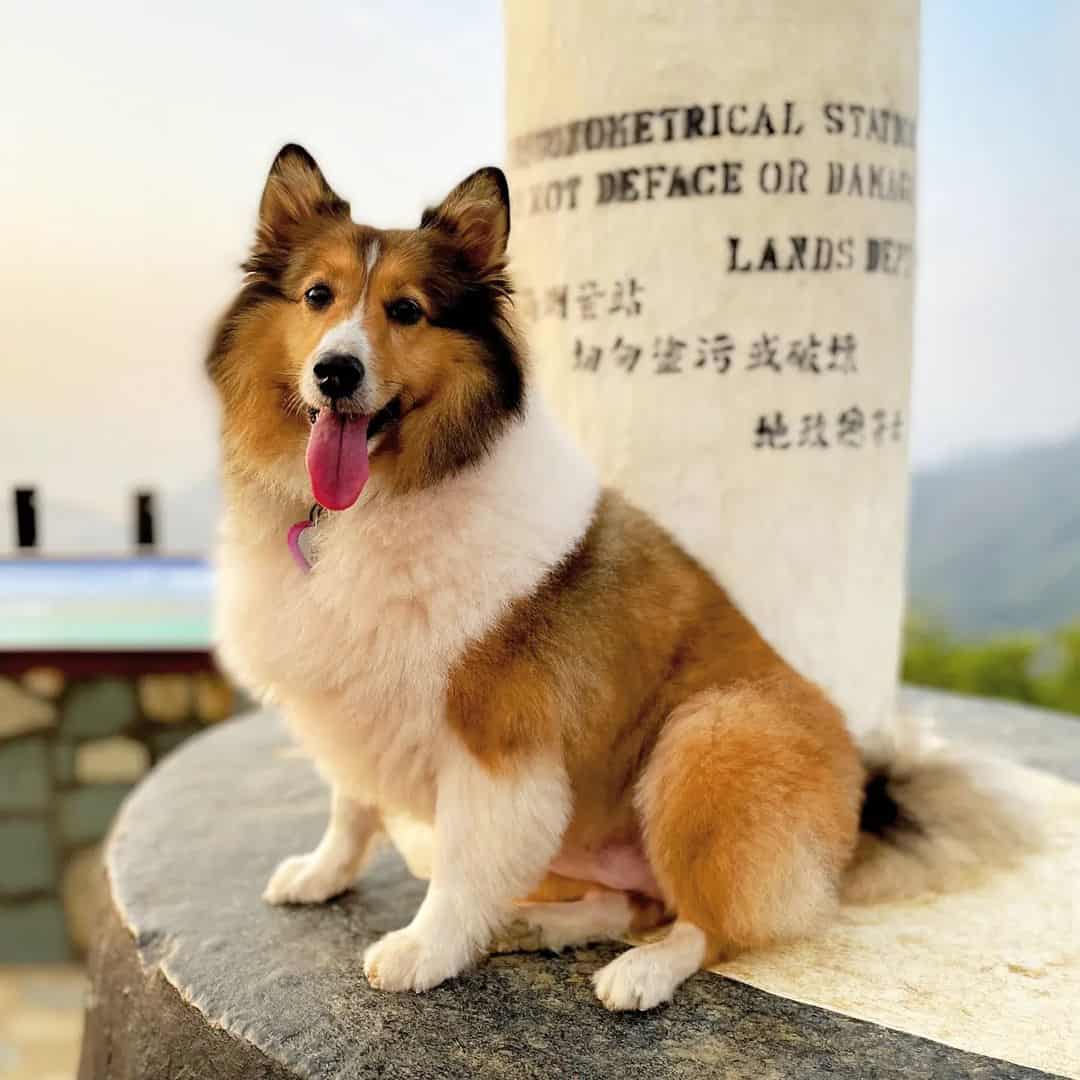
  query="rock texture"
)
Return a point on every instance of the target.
[
  {"x": 82, "y": 890},
  {"x": 44, "y": 682},
  {"x": 196, "y": 977},
  {"x": 116, "y": 760},
  {"x": 165, "y": 698},
  {"x": 21, "y": 712},
  {"x": 77, "y": 731}
]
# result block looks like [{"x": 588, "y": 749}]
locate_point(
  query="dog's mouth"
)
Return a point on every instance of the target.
[
  {"x": 337, "y": 452},
  {"x": 387, "y": 415}
]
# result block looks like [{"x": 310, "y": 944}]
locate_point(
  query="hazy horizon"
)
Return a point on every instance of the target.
[{"x": 140, "y": 139}]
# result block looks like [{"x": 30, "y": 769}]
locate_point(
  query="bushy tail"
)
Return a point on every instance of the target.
[{"x": 934, "y": 817}]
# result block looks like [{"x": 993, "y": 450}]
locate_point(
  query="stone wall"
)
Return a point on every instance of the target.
[{"x": 77, "y": 732}]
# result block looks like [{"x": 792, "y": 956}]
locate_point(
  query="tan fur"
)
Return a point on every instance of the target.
[
  {"x": 678, "y": 724},
  {"x": 265, "y": 424},
  {"x": 646, "y": 914},
  {"x": 750, "y": 807}
]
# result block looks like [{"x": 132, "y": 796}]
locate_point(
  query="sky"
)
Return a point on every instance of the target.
[
  {"x": 997, "y": 347},
  {"x": 141, "y": 137},
  {"x": 132, "y": 132}
]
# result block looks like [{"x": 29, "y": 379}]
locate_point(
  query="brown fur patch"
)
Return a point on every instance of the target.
[
  {"x": 621, "y": 633},
  {"x": 606, "y": 660},
  {"x": 750, "y": 811}
]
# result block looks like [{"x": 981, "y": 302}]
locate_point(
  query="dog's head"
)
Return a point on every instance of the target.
[{"x": 352, "y": 349}]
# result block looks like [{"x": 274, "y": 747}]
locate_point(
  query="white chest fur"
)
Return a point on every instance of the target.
[{"x": 358, "y": 651}]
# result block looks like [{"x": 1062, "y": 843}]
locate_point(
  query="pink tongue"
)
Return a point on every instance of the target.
[{"x": 337, "y": 460}]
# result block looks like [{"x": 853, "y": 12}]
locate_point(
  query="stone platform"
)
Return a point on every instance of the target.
[{"x": 195, "y": 977}]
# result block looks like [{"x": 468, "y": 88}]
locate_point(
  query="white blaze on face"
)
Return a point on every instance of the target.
[
  {"x": 347, "y": 337},
  {"x": 370, "y": 259},
  {"x": 337, "y": 450}
]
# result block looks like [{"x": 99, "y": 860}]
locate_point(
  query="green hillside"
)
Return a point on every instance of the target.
[{"x": 994, "y": 542}]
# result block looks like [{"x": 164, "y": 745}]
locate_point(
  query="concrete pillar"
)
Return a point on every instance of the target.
[{"x": 713, "y": 239}]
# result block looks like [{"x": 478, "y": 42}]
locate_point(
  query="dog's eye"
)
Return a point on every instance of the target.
[
  {"x": 319, "y": 297},
  {"x": 404, "y": 311}
]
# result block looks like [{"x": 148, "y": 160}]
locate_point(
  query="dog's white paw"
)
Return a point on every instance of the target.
[
  {"x": 403, "y": 960},
  {"x": 305, "y": 879},
  {"x": 639, "y": 979}
]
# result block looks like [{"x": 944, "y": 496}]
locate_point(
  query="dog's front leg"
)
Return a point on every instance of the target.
[
  {"x": 496, "y": 832},
  {"x": 334, "y": 865}
]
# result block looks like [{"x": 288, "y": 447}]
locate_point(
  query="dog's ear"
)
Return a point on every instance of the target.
[
  {"x": 477, "y": 214},
  {"x": 295, "y": 191}
]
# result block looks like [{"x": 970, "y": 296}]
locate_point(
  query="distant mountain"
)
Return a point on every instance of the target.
[{"x": 994, "y": 542}]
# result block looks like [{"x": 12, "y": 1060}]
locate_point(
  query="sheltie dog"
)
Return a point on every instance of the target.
[{"x": 460, "y": 625}]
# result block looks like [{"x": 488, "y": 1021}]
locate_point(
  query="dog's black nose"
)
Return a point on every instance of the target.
[{"x": 338, "y": 375}]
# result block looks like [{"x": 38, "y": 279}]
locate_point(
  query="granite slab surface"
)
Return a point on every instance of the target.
[{"x": 192, "y": 851}]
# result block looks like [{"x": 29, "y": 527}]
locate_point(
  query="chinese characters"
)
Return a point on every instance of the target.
[
  {"x": 720, "y": 353},
  {"x": 853, "y": 428},
  {"x": 586, "y": 301}
]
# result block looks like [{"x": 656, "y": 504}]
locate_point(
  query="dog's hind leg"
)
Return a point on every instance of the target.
[
  {"x": 598, "y": 915},
  {"x": 749, "y": 807}
]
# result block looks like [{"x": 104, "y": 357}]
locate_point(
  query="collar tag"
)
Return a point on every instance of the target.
[{"x": 301, "y": 539}]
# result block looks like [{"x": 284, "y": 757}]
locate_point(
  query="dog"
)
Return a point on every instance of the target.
[{"x": 463, "y": 627}]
